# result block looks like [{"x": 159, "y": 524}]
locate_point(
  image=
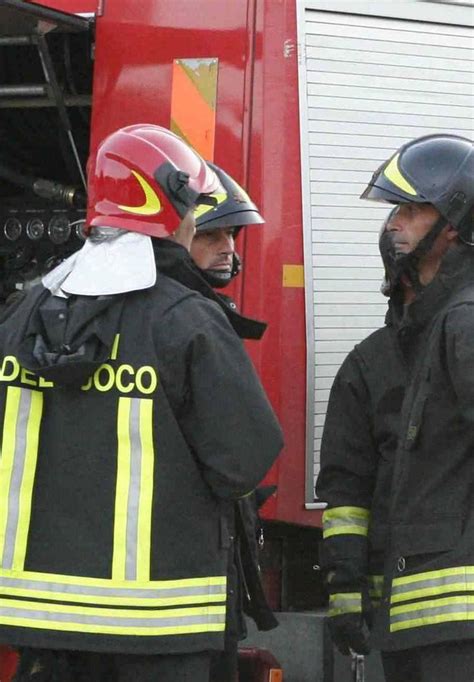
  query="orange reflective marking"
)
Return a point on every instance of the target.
[{"x": 192, "y": 116}]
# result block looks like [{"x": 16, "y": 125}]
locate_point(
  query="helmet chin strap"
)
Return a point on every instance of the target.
[
  {"x": 218, "y": 279},
  {"x": 408, "y": 264}
]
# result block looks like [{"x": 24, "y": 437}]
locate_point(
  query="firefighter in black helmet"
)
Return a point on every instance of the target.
[
  {"x": 429, "y": 575},
  {"x": 422, "y": 522},
  {"x": 213, "y": 251},
  {"x": 357, "y": 451},
  {"x": 213, "y": 247},
  {"x": 432, "y": 175},
  {"x": 212, "y": 262}
]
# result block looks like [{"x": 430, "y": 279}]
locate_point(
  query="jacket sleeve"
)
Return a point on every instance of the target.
[
  {"x": 226, "y": 417},
  {"x": 345, "y": 482}
]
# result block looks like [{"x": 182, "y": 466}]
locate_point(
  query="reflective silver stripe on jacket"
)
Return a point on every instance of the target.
[
  {"x": 375, "y": 584},
  {"x": 21, "y": 426},
  {"x": 102, "y": 591},
  {"x": 457, "y": 579},
  {"x": 345, "y": 520},
  {"x": 133, "y": 503},
  {"x": 345, "y": 602},
  {"x": 421, "y": 600},
  {"x": 116, "y": 621},
  {"x": 433, "y": 612},
  {"x": 134, "y": 490}
]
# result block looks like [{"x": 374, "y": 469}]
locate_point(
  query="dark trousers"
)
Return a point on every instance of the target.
[
  {"x": 224, "y": 665},
  {"x": 183, "y": 668},
  {"x": 436, "y": 663},
  {"x": 37, "y": 665}
]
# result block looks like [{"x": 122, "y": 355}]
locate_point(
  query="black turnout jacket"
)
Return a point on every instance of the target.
[
  {"x": 245, "y": 587},
  {"x": 429, "y": 568},
  {"x": 357, "y": 454},
  {"x": 397, "y": 470},
  {"x": 130, "y": 424}
]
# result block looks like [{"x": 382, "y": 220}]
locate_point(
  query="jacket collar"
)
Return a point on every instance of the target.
[
  {"x": 65, "y": 340},
  {"x": 173, "y": 260},
  {"x": 455, "y": 272}
]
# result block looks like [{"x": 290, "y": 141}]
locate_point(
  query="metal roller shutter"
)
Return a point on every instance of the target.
[{"x": 368, "y": 84}]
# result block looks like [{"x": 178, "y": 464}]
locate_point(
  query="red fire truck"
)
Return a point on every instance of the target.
[{"x": 299, "y": 100}]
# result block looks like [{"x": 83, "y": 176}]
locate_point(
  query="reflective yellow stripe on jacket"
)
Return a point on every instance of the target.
[
  {"x": 79, "y": 590},
  {"x": 129, "y": 603},
  {"x": 121, "y": 621},
  {"x": 23, "y": 410},
  {"x": 351, "y": 602},
  {"x": 134, "y": 492},
  {"x": 345, "y": 520},
  {"x": 422, "y": 599},
  {"x": 344, "y": 602},
  {"x": 375, "y": 583}
]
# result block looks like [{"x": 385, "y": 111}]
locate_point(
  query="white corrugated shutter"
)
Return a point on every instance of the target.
[{"x": 370, "y": 84}]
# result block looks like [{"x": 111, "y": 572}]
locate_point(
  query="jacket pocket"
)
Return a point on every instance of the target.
[{"x": 436, "y": 535}]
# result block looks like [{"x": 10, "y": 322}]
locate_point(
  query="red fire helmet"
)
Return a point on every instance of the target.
[{"x": 144, "y": 178}]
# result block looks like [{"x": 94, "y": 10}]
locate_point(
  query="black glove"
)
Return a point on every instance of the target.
[{"x": 349, "y": 633}]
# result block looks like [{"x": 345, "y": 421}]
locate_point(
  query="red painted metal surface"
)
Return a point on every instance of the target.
[
  {"x": 8, "y": 663},
  {"x": 70, "y": 6},
  {"x": 258, "y": 665},
  {"x": 257, "y": 141},
  {"x": 275, "y": 181}
]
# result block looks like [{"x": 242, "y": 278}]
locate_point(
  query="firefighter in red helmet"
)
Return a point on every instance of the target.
[
  {"x": 125, "y": 438},
  {"x": 423, "y": 627}
]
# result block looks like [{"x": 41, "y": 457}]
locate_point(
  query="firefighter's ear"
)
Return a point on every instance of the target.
[
  {"x": 451, "y": 233},
  {"x": 186, "y": 230},
  {"x": 236, "y": 264}
]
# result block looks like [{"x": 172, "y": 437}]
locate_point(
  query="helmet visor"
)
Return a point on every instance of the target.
[
  {"x": 233, "y": 208},
  {"x": 217, "y": 221},
  {"x": 388, "y": 184}
]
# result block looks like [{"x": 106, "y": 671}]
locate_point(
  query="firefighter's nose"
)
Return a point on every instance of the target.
[
  {"x": 393, "y": 223},
  {"x": 227, "y": 242}
]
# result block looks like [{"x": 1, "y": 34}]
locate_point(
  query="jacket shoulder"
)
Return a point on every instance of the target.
[
  {"x": 374, "y": 347},
  {"x": 462, "y": 297},
  {"x": 375, "y": 341},
  {"x": 185, "y": 310},
  {"x": 15, "y": 314},
  {"x": 168, "y": 292}
]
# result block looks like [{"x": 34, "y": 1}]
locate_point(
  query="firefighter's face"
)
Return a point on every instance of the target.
[
  {"x": 213, "y": 250},
  {"x": 409, "y": 223}
]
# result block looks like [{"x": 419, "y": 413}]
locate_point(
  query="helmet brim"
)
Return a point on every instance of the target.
[
  {"x": 237, "y": 219},
  {"x": 389, "y": 184},
  {"x": 387, "y": 194},
  {"x": 380, "y": 188}
]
